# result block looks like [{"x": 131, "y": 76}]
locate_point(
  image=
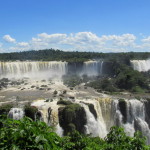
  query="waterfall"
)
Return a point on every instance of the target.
[
  {"x": 95, "y": 126},
  {"x": 135, "y": 117},
  {"x": 59, "y": 130},
  {"x": 92, "y": 68},
  {"x": 101, "y": 68},
  {"x": 33, "y": 69},
  {"x": 16, "y": 113},
  {"x": 49, "y": 113},
  {"x": 110, "y": 113},
  {"x": 141, "y": 65},
  {"x": 129, "y": 114},
  {"x": 107, "y": 111},
  {"x": 47, "y": 69}
]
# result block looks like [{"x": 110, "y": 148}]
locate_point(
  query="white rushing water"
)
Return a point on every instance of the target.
[
  {"x": 49, "y": 114},
  {"x": 59, "y": 130},
  {"x": 92, "y": 68},
  {"x": 16, "y": 113},
  {"x": 135, "y": 118},
  {"x": 101, "y": 68},
  {"x": 45, "y": 69},
  {"x": 33, "y": 69},
  {"x": 141, "y": 65},
  {"x": 109, "y": 114},
  {"x": 94, "y": 126}
]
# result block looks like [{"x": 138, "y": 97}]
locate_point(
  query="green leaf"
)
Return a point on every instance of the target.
[{"x": 40, "y": 138}]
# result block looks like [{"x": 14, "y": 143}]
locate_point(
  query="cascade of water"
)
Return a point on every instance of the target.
[
  {"x": 138, "y": 113},
  {"x": 118, "y": 117},
  {"x": 91, "y": 68},
  {"x": 59, "y": 130},
  {"x": 92, "y": 126},
  {"x": 46, "y": 69},
  {"x": 16, "y": 113},
  {"x": 49, "y": 114},
  {"x": 107, "y": 112},
  {"x": 141, "y": 65},
  {"x": 95, "y": 127},
  {"x": 103, "y": 129},
  {"x": 34, "y": 69},
  {"x": 39, "y": 116},
  {"x": 135, "y": 119},
  {"x": 101, "y": 68}
]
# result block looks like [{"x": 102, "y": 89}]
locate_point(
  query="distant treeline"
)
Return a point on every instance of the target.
[{"x": 58, "y": 55}]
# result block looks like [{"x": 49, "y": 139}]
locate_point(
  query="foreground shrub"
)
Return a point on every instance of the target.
[
  {"x": 115, "y": 140},
  {"x": 27, "y": 134},
  {"x": 4, "y": 109},
  {"x": 118, "y": 140}
]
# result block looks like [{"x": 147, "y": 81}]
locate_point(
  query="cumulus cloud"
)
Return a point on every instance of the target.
[
  {"x": 9, "y": 39},
  {"x": 23, "y": 44},
  {"x": 51, "y": 38},
  {"x": 120, "y": 40},
  {"x": 146, "y": 39},
  {"x": 82, "y": 41},
  {"x": 81, "y": 38}
]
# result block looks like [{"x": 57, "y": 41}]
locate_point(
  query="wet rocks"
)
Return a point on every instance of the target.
[
  {"x": 72, "y": 117},
  {"x": 123, "y": 109}
]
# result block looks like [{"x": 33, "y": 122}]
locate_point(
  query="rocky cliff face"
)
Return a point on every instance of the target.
[
  {"x": 72, "y": 117},
  {"x": 147, "y": 111}
]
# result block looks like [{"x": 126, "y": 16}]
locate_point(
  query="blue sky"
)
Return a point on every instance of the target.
[{"x": 83, "y": 25}]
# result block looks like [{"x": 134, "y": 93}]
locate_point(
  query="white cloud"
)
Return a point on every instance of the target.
[
  {"x": 81, "y": 38},
  {"x": 120, "y": 40},
  {"x": 9, "y": 39},
  {"x": 91, "y": 42},
  {"x": 36, "y": 40},
  {"x": 51, "y": 38},
  {"x": 146, "y": 39},
  {"x": 82, "y": 41},
  {"x": 23, "y": 44}
]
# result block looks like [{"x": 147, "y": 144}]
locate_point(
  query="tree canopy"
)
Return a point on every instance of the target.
[{"x": 52, "y": 54}]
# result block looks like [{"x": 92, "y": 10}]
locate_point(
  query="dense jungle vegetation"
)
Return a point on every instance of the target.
[
  {"x": 26, "y": 134},
  {"x": 51, "y": 55},
  {"x": 123, "y": 78}
]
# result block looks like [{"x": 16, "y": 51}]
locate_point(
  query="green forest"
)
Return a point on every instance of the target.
[{"x": 51, "y": 55}]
